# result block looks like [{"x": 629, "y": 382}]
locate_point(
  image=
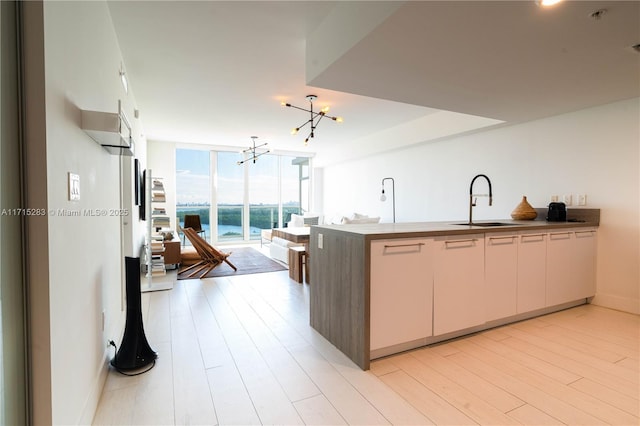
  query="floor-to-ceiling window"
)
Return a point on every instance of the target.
[
  {"x": 193, "y": 186},
  {"x": 230, "y": 195},
  {"x": 247, "y": 197},
  {"x": 295, "y": 189},
  {"x": 264, "y": 194}
]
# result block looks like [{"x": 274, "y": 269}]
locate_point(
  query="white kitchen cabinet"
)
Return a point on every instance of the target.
[
  {"x": 459, "y": 295},
  {"x": 571, "y": 255},
  {"x": 532, "y": 267},
  {"x": 501, "y": 275},
  {"x": 401, "y": 291}
]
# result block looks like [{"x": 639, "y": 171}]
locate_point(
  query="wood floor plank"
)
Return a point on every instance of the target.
[
  {"x": 536, "y": 364},
  {"x": 272, "y": 340},
  {"x": 383, "y": 366},
  {"x": 269, "y": 399},
  {"x": 493, "y": 371},
  {"x": 192, "y": 397},
  {"x": 317, "y": 410},
  {"x": 349, "y": 403},
  {"x": 530, "y": 415},
  {"x": 628, "y": 403},
  {"x": 116, "y": 407},
  {"x": 462, "y": 399},
  {"x": 431, "y": 405},
  {"x": 485, "y": 390},
  {"x": 555, "y": 334},
  {"x": 587, "y": 404},
  {"x": 588, "y": 337},
  {"x": 606, "y": 324},
  {"x": 579, "y": 359},
  {"x": 230, "y": 397},
  {"x": 631, "y": 364},
  {"x": 213, "y": 347},
  {"x": 393, "y": 407},
  {"x": 154, "y": 402}
]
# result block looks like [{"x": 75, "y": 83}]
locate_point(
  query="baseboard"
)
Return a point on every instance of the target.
[
  {"x": 618, "y": 303},
  {"x": 93, "y": 399}
]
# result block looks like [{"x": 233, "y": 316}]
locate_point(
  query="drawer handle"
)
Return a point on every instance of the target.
[
  {"x": 560, "y": 234},
  {"x": 502, "y": 238},
  {"x": 471, "y": 240},
  {"x": 590, "y": 232},
  {"x": 404, "y": 245},
  {"x": 534, "y": 237}
]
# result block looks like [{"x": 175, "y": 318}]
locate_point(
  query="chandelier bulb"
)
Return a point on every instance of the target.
[
  {"x": 295, "y": 130},
  {"x": 325, "y": 109},
  {"x": 339, "y": 119}
]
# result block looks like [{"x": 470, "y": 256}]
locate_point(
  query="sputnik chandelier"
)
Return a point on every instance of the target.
[
  {"x": 315, "y": 117},
  {"x": 252, "y": 150}
]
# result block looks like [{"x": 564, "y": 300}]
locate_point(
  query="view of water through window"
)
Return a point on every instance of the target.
[{"x": 272, "y": 189}]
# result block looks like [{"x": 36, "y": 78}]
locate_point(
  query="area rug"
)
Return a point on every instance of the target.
[{"x": 248, "y": 261}]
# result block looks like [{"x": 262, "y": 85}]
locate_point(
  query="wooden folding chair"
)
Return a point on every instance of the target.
[{"x": 210, "y": 257}]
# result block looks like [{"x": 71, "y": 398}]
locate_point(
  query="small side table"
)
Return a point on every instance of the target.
[{"x": 296, "y": 260}]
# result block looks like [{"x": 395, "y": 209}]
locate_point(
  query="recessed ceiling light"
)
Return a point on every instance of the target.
[{"x": 547, "y": 3}]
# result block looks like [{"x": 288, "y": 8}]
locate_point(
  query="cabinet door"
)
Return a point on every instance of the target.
[
  {"x": 458, "y": 298},
  {"x": 532, "y": 267},
  {"x": 584, "y": 271},
  {"x": 401, "y": 291},
  {"x": 571, "y": 258},
  {"x": 559, "y": 266},
  {"x": 501, "y": 275}
]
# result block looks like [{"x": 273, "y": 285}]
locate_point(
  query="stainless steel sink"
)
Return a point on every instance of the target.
[{"x": 486, "y": 224}]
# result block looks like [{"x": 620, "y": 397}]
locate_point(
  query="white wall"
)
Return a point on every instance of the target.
[
  {"x": 85, "y": 253},
  {"x": 162, "y": 162},
  {"x": 593, "y": 152}
]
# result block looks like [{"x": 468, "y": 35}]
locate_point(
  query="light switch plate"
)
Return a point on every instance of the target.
[
  {"x": 74, "y": 187},
  {"x": 568, "y": 199}
]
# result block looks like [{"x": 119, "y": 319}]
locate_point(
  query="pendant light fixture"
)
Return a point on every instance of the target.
[
  {"x": 315, "y": 117},
  {"x": 253, "y": 151}
]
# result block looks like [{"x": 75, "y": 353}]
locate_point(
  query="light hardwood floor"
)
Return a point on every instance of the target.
[{"x": 239, "y": 350}]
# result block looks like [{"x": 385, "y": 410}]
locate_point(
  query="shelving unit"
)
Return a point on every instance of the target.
[
  {"x": 154, "y": 244},
  {"x": 111, "y": 130}
]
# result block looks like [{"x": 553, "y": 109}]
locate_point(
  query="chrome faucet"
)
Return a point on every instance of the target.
[{"x": 472, "y": 201}]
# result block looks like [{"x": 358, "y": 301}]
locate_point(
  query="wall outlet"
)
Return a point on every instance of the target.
[
  {"x": 568, "y": 199},
  {"x": 582, "y": 199},
  {"x": 320, "y": 241},
  {"x": 554, "y": 198}
]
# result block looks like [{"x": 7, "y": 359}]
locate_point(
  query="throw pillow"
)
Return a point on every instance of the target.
[
  {"x": 311, "y": 220},
  {"x": 296, "y": 220}
]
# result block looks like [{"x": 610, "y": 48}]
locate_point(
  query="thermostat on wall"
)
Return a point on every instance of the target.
[{"x": 74, "y": 187}]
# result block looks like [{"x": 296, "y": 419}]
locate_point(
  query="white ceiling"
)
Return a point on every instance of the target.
[{"x": 214, "y": 72}]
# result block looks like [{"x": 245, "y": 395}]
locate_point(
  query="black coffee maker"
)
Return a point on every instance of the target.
[{"x": 557, "y": 212}]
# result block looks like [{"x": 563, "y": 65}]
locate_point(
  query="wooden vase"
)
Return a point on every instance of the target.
[{"x": 524, "y": 211}]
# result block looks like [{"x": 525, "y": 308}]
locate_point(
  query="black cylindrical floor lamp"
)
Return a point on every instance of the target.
[{"x": 134, "y": 352}]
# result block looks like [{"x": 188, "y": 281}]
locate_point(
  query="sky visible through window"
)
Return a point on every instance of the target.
[{"x": 193, "y": 179}]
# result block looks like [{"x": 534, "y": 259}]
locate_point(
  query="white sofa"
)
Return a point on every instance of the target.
[
  {"x": 306, "y": 219},
  {"x": 279, "y": 249}
]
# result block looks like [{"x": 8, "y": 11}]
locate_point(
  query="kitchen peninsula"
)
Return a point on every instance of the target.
[{"x": 380, "y": 289}]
